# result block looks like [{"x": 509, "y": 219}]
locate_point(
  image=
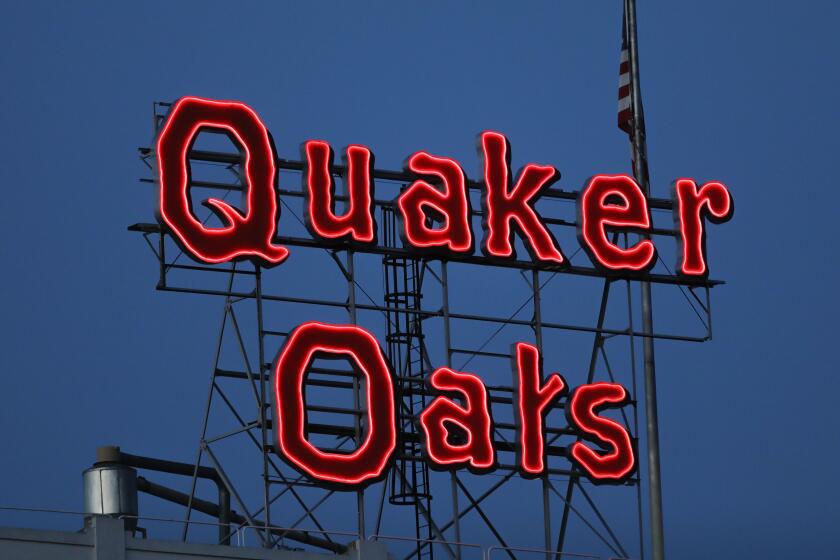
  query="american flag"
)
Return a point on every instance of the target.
[
  {"x": 627, "y": 112},
  {"x": 625, "y": 109}
]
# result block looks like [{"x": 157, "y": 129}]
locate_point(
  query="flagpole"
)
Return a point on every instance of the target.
[{"x": 651, "y": 414}]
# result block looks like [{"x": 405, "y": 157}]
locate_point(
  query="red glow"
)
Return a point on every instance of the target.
[
  {"x": 245, "y": 235},
  {"x": 369, "y": 460},
  {"x": 357, "y": 221},
  {"x": 474, "y": 418},
  {"x": 582, "y": 410},
  {"x": 692, "y": 205},
  {"x": 504, "y": 205},
  {"x": 532, "y": 400},
  {"x": 597, "y": 211},
  {"x": 451, "y": 206}
]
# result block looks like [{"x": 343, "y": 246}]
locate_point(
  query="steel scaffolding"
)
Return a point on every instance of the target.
[{"x": 413, "y": 311}]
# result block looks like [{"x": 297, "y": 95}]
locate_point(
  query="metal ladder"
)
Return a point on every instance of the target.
[{"x": 409, "y": 484}]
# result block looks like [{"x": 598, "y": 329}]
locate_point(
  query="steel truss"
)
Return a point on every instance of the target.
[{"x": 283, "y": 497}]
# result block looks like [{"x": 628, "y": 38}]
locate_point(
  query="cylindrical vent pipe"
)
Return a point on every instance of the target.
[{"x": 111, "y": 489}]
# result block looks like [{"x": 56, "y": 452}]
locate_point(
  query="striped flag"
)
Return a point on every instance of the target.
[
  {"x": 627, "y": 112},
  {"x": 625, "y": 109}
]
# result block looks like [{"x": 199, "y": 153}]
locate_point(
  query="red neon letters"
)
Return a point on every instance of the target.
[
  {"x": 246, "y": 235},
  {"x": 585, "y": 403},
  {"x": 422, "y": 201},
  {"x": 366, "y": 463},
  {"x": 711, "y": 201},
  {"x": 457, "y": 426},
  {"x": 614, "y": 201},
  {"x": 321, "y": 220},
  {"x": 473, "y": 418},
  {"x": 503, "y": 205},
  {"x": 532, "y": 398},
  {"x": 608, "y": 203}
]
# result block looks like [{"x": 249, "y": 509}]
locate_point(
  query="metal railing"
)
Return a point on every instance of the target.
[{"x": 239, "y": 537}]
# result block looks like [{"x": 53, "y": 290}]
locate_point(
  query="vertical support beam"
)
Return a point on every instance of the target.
[
  {"x": 357, "y": 402},
  {"x": 535, "y": 286},
  {"x": 709, "y": 312},
  {"x": 447, "y": 334},
  {"x": 632, "y": 342},
  {"x": 263, "y": 401},
  {"x": 162, "y": 261},
  {"x": 657, "y": 532},
  {"x": 447, "y": 341},
  {"x": 224, "y": 515},
  {"x": 652, "y": 425}
]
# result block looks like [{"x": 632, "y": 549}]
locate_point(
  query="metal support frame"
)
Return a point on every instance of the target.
[{"x": 241, "y": 393}]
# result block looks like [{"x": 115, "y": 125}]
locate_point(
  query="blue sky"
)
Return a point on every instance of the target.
[{"x": 744, "y": 92}]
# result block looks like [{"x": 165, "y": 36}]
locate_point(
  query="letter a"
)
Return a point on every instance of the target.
[
  {"x": 451, "y": 206},
  {"x": 473, "y": 418}
]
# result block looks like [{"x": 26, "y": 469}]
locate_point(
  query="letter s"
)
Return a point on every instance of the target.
[{"x": 582, "y": 412}]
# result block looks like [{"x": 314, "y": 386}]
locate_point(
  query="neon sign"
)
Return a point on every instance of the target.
[
  {"x": 608, "y": 201},
  {"x": 435, "y": 213},
  {"x": 473, "y": 418}
]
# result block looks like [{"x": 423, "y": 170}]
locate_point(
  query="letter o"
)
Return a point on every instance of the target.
[{"x": 369, "y": 460}]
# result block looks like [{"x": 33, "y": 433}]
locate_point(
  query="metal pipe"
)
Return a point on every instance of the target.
[
  {"x": 657, "y": 532},
  {"x": 113, "y": 454}
]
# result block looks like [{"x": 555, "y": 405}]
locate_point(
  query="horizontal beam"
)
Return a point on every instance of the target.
[
  {"x": 427, "y": 313},
  {"x": 405, "y": 387},
  {"x": 476, "y": 259}
]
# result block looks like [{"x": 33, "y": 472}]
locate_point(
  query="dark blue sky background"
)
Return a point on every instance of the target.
[{"x": 744, "y": 92}]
